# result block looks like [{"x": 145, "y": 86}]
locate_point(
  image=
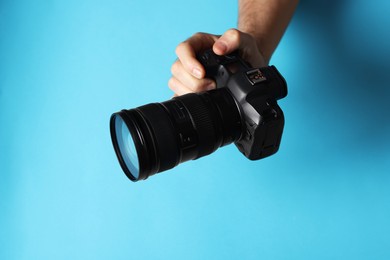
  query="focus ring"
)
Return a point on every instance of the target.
[{"x": 163, "y": 133}]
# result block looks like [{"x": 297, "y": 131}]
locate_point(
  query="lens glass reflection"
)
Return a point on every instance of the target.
[{"x": 126, "y": 146}]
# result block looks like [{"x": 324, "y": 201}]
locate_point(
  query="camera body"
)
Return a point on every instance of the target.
[
  {"x": 243, "y": 109},
  {"x": 255, "y": 91}
]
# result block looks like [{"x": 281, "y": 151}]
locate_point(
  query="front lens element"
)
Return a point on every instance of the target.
[{"x": 126, "y": 147}]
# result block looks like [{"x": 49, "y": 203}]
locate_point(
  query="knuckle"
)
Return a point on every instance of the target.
[
  {"x": 233, "y": 34},
  {"x": 175, "y": 68},
  {"x": 180, "y": 47},
  {"x": 171, "y": 83},
  {"x": 198, "y": 35}
]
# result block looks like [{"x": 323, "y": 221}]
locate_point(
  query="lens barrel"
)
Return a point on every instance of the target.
[{"x": 181, "y": 129}]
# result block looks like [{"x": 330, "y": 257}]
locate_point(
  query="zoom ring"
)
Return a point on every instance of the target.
[{"x": 201, "y": 115}]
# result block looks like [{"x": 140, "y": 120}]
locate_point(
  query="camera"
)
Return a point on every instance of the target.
[{"x": 242, "y": 109}]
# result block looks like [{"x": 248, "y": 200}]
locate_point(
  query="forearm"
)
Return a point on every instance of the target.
[{"x": 266, "y": 21}]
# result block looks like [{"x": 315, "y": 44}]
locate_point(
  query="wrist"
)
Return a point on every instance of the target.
[{"x": 260, "y": 46}]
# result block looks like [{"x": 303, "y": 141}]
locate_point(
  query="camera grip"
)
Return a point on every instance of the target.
[{"x": 220, "y": 68}]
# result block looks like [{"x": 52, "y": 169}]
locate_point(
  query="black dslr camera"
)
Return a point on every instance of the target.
[{"x": 243, "y": 109}]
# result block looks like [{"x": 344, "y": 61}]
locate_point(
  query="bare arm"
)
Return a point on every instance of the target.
[{"x": 266, "y": 21}]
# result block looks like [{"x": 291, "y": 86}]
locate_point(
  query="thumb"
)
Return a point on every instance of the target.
[
  {"x": 231, "y": 40},
  {"x": 234, "y": 39}
]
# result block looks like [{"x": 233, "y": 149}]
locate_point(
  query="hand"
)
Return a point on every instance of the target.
[{"x": 188, "y": 75}]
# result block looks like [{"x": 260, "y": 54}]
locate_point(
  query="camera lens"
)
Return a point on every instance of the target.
[
  {"x": 159, "y": 136},
  {"x": 126, "y": 146}
]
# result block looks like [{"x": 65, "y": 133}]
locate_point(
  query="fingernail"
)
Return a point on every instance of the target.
[
  {"x": 221, "y": 46},
  {"x": 197, "y": 73}
]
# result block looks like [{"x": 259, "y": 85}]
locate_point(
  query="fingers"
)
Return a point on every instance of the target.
[
  {"x": 183, "y": 82},
  {"x": 186, "y": 52},
  {"x": 188, "y": 74},
  {"x": 177, "y": 87},
  {"x": 187, "y": 56}
]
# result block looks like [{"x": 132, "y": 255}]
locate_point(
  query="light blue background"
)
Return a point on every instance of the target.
[{"x": 65, "y": 66}]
